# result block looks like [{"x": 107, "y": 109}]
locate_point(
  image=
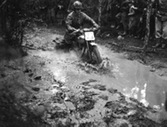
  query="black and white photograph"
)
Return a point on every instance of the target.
[{"x": 83, "y": 63}]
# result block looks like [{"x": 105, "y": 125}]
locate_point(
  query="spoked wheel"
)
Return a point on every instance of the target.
[
  {"x": 95, "y": 54},
  {"x": 91, "y": 55},
  {"x": 85, "y": 55}
]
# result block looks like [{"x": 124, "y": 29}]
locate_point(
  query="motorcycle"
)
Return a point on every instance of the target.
[{"x": 86, "y": 44}]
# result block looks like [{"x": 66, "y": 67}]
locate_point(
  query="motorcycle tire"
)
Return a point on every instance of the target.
[{"x": 96, "y": 55}]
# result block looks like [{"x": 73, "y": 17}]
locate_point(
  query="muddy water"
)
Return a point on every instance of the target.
[
  {"x": 129, "y": 77},
  {"x": 137, "y": 81}
]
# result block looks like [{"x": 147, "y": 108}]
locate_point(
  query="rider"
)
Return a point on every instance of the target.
[{"x": 75, "y": 21}]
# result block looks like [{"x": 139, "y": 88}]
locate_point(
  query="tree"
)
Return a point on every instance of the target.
[
  {"x": 148, "y": 14},
  {"x": 11, "y": 14},
  {"x": 15, "y": 15}
]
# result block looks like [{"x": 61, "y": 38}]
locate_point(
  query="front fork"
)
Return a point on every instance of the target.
[
  {"x": 89, "y": 50},
  {"x": 86, "y": 51}
]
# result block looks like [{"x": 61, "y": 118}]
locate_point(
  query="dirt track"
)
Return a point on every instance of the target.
[{"x": 55, "y": 88}]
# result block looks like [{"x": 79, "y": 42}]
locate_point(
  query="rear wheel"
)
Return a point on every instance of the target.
[{"x": 96, "y": 57}]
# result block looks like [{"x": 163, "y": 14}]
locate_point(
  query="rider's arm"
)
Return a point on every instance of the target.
[
  {"x": 89, "y": 19},
  {"x": 69, "y": 23}
]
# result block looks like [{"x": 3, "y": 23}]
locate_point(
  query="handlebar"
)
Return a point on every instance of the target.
[{"x": 83, "y": 30}]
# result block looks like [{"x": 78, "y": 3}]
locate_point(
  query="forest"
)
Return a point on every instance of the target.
[
  {"x": 44, "y": 86},
  {"x": 18, "y": 14}
]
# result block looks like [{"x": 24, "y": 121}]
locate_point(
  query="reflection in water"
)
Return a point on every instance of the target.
[
  {"x": 138, "y": 93},
  {"x": 136, "y": 80},
  {"x": 143, "y": 95},
  {"x": 134, "y": 92}
]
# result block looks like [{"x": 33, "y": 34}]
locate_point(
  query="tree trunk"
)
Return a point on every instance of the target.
[
  {"x": 3, "y": 3},
  {"x": 148, "y": 14},
  {"x": 99, "y": 16},
  {"x": 3, "y": 19},
  {"x": 69, "y": 8},
  {"x": 100, "y": 11}
]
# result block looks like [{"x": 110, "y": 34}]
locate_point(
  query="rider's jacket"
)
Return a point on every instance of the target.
[{"x": 75, "y": 21}]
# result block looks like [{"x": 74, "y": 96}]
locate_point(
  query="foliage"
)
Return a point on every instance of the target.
[
  {"x": 13, "y": 19},
  {"x": 107, "y": 4},
  {"x": 16, "y": 14},
  {"x": 100, "y": 10}
]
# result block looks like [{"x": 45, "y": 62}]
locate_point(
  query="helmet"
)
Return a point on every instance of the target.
[{"x": 77, "y": 5}]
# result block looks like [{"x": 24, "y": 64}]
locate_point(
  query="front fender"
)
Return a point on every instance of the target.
[
  {"x": 93, "y": 44},
  {"x": 81, "y": 39}
]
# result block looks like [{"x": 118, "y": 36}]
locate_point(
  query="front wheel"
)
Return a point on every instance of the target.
[{"x": 96, "y": 55}]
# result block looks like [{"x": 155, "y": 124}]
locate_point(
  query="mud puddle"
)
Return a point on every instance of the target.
[
  {"x": 63, "y": 90},
  {"x": 130, "y": 77},
  {"x": 136, "y": 80}
]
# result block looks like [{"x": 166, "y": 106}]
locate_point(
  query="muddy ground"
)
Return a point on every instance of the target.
[{"x": 39, "y": 87}]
